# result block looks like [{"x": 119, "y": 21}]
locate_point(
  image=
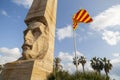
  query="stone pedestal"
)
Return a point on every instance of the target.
[{"x": 26, "y": 70}]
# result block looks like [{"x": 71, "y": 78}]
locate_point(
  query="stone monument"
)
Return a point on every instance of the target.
[{"x": 36, "y": 62}]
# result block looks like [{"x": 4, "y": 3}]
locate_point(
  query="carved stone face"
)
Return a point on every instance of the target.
[{"x": 35, "y": 41}]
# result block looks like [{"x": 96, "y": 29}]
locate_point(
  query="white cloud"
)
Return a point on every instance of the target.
[
  {"x": 25, "y": 3},
  {"x": 115, "y": 61},
  {"x": 9, "y": 55},
  {"x": 115, "y": 77},
  {"x": 66, "y": 56},
  {"x": 106, "y": 19},
  {"x": 116, "y": 54},
  {"x": 3, "y": 12},
  {"x": 115, "y": 72},
  {"x": 65, "y": 32},
  {"x": 67, "y": 62},
  {"x": 112, "y": 38}
]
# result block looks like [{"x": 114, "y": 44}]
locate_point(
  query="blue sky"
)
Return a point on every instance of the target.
[{"x": 100, "y": 38}]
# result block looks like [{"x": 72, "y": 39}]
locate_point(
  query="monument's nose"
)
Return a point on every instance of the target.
[{"x": 28, "y": 37}]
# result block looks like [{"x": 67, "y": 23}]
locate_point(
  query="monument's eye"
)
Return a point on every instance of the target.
[
  {"x": 25, "y": 32},
  {"x": 36, "y": 32}
]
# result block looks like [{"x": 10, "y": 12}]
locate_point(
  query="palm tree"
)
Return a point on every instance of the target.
[
  {"x": 107, "y": 66},
  {"x": 1, "y": 68},
  {"x": 97, "y": 64},
  {"x": 76, "y": 62},
  {"x": 93, "y": 63},
  {"x": 82, "y": 60},
  {"x": 57, "y": 65}
]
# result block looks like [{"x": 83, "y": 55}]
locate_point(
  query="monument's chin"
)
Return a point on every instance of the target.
[{"x": 28, "y": 54}]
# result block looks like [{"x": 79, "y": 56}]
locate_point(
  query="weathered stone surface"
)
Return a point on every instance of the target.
[
  {"x": 26, "y": 70},
  {"x": 36, "y": 41},
  {"x": 17, "y": 71},
  {"x": 40, "y": 32},
  {"x": 38, "y": 47},
  {"x": 42, "y": 10}
]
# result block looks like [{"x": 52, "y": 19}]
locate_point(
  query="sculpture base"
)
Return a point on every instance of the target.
[{"x": 25, "y": 70}]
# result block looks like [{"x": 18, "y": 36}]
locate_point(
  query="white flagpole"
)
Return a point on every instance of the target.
[{"x": 74, "y": 37}]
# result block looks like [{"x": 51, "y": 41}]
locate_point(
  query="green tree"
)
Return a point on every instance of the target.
[
  {"x": 82, "y": 60},
  {"x": 97, "y": 64},
  {"x": 63, "y": 75},
  {"x": 107, "y": 65},
  {"x": 76, "y": 62},
  {"x": 57, "y": 65},
  {"x": 1, "y": 68}
]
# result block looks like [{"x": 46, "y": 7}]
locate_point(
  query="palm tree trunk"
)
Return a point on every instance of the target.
[
  {"x": 106, "y": 74},
  {"x": 99, "y": 72},
  {"x": 83, "y": 68}
]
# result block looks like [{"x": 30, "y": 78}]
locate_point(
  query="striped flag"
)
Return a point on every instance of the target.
[{"x": 81, "y": 16}]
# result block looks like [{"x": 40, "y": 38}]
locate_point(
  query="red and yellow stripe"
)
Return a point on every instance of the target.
[{"x": 81, "y": 16}]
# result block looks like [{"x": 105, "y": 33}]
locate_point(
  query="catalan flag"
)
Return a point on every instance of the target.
[{"x": 81, "y": 16}]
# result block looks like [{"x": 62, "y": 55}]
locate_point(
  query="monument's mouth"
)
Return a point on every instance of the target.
[{"x": 26, "y": 47}]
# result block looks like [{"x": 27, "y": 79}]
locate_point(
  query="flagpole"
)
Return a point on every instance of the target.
[
  {"x": 74, "y": 37},
  {"x": 81, "y": 16}
]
